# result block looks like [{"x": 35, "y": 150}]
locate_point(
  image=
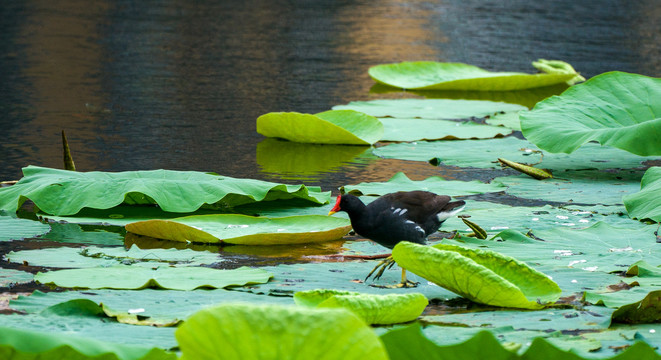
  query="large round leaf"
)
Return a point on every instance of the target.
[
  {"x": 480, "y": 275},
  {"x": 427, "y": 129},
  {"x": 374, "y": 309},
  {"x": 431, "y": 75},
  {"x": 63, "y": 192},
  {"x": 244, "y": 229},
  {"x": 616, "y": 109},
  {"x": 646, "y": 204},
  {"x": 249, "y": 332},
  {"x": 329, "y": 127}
]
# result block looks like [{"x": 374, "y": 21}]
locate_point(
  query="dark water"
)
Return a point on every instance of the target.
[{"x": 179, "y": 84}]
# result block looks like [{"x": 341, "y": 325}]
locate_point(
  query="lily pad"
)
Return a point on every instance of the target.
[
  {"x": 246, "y": 230},
  {"x": 132, "y": 277},
  {"x": 646, "y": 204},
  {"x": 18, "y": 229},
  {"x": 88, "y": 257},
  {"x": 581, "y": 187},
  {"x": 374, "y": 309},
  {"x": 329, "y": 127},
  {"x": 429, "y": 108},
  {"x": 485, "y": 153},
  {"x": 62, "y": 192},
  {"x": 436, "y": 184},
  {"x": 9, "y": 277},
  {"x": 616, "y": 109},
  {"x": 24, "y": 344},
  {"x": 249, "y": 332},
  {"x": 482, "y": 276},
  {"x": 431, "y": 75},
  {"x": 396, "y": 129}
]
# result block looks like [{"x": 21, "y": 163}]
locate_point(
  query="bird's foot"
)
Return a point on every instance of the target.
[{"x": 384, "y": 264}]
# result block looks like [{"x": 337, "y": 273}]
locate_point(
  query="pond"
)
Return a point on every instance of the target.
[{"x": 178, "y": 85}]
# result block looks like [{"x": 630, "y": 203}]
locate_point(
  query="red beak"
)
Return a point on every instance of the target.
[{"x": 336, "y": 208}]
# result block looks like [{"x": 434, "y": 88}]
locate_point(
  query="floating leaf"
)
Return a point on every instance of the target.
[
  {"x": 484, "y": 154},
  {"x": 249, "y": 332},
  {"x": 539, "y": 174},
  {"x": 431, "y": 75},
  {"x": 131, "y": 277},
  {"x": 647, "y": 310},
  {"x": 374, "y": 309},
  {"x": 429, "y": 108},
  {"x": 479, "y": 275},
  {"x": 9, "y": 277},
  {"x": 616, "y": 109},
  {"x": 396, "y": 129},
  {"x": 329, "y": 127},
  {"x": 62, "y": 192},
  {"x": 646, "y": 204},
  {"x": 246, "y": 230},
  {"x": 18, "y": 229},
  {"x": 400, "y": 182},
  {"x": 24, "y": 344}
]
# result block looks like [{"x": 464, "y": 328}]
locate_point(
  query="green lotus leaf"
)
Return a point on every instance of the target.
[
  {"x": 485, "y": 153},
  {"x": 429, "y": 108},
  {"x": 396, "y": 129},
  {"x": 329, "y": 127},
  {"x": 646, "y": 204},
  {"x": 431, "y": 75},
  {"x": 132, "y": 277},
  {"x": 250, "y": 332},
  {"x": 63, "y": 192},
  {"x": 616, "y": 109},
  {"x": 482, "y": 276},
  {"x": 400, "y": 182},
  {"x": 87, "y": 307},
  {"x": 243, "y": 229},
  {"x": 23, "y": 344},
  {"x": 374, "y": 309},
  {"x": 9, "y": 277},
  {"x": 91, "y": 256},
  {"x": 18, "y": 229}
]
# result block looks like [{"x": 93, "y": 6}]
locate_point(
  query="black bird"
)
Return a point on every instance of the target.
[{"x": 400, "y": 216}]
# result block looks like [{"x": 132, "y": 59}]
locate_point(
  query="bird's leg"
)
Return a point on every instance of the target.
[
  {"x": 383, "y": 264},
  {"x": 406, "y": 282}
]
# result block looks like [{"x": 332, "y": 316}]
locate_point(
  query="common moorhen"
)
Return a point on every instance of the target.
[{"x": 400, "y": 216}]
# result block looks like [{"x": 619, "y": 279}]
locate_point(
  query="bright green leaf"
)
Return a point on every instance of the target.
[
  {"x": 646, "y": 204},
  {"x": 429, "y": 108},
  {"x": 396, "y": 129},
  {"x": 374, "y": 309},
  {"x": 249, "y": 332},
  {"x": 27, "y": 345},
  {"x": 400, "y": 182},
  {"x": 616, "y": 109},
  {"x": 246, "y": 230},
  {"x": 431, "y": 75},
  {"x": 132, "y": 277},
  {"x": 329, "y": 127},
  {"x": 482, "y": 276},
  {"x": 62, "y": 192}
]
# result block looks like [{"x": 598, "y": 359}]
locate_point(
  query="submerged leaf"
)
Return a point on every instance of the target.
[
  {"x": 62, "y": 192},
  {"x": 329, "y": 127},
  {"x": 646, "y": 204},
  {"x": 249, "y": 332},
  {"x": 431, "y": 75},
  {"x": 616, "y": 109},
  {"x": 131, "y": 277},
  {"x": 374, "y": 309},
  {"x": 479, "y": 275},
  {"x": 243, "y": 229}
]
